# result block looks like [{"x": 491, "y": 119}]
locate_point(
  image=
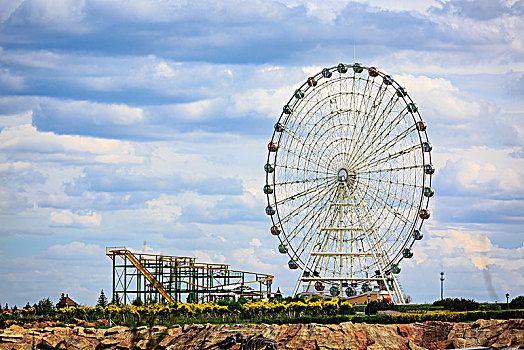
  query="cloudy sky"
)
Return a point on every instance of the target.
[{"x": 124, "y": 122}]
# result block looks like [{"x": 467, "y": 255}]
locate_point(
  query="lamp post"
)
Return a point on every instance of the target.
[
  {"x": 368, "y": 307},
  {"x": 507, "y": 301},
  {"x": 441, "y": 285}
]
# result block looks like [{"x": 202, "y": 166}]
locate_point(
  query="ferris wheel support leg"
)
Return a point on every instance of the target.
[
  {"x": 379, "y": 262},
  {"x": 396, "y": 285},
  {"x": 299, "y": 281},
  {"x": 398, "y": 292},
  {"x": 298, "y": 284}
]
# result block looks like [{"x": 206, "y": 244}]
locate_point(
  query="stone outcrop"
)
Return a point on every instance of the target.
[{"x": 418, "y": 336}]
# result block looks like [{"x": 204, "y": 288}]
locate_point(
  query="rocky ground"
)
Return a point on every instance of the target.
[{"x": 427, "y": 335}]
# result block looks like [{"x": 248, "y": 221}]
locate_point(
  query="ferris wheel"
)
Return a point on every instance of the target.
[{"x": 348, "y": 181}]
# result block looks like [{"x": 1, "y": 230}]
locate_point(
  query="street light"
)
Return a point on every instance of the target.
[
  {"x": 507, "y": 301},
  {"x": 441, "y": 285}
]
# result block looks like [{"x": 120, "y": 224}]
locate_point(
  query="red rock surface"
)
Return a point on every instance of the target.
[{"x": 427, "y": 335}]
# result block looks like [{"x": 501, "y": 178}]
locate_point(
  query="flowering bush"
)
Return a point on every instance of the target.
[
  {"x": 286, "y": 311},
  {"x": 463, "y": 316},
  {"x": 223, "y": 311}
]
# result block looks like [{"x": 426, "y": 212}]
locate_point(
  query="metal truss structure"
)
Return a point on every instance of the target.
[
  {"x": 348, "y": 181},
  {"x": 168, "y": 279}
]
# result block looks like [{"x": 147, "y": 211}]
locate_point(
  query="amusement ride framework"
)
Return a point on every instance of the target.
[{"x": 168, "y": 279}]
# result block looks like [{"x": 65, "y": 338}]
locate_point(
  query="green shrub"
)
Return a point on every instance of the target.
[
  {"x": 346, "y": 308},
  {"x": 517, "y": 303},
  {"x": 418, "y": 308},
  {"x": 455, "y": 304},
  {"x": 466, "y": 316},
  {"x": 377, "y": 305},
  {"x": 489, "y": 307}
]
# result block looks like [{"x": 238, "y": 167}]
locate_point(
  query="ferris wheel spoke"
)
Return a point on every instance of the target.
[
  {"x": 362, "y": 116},
  {"x": 382, "y": 117},
  {"x": 342, "y": 111},
  {"x": 389, "y": 157},
  {"x": 383, "y": 134},
  {"x": 307, "y": 159},
  {"x": 391, "y": 182},
  {"x": 306, "y": 218},
  {"x": 378, "y": 243},
  {"x": 303, "y": 143},
  {"x": 304, "y": 205},
  {"x": 338, "y": 137},
  {"x": 372, "y": 104},
  {"x": 372, "y": 112},
  {"x": 379, "y": 127},
  {"x": 300, "y": 226},
  {"x": 378, "y": 189},
  {"x": 392, "y": 169},
  {"x": 375, "y": 246},
  {"x": 326, "y": 128},
  {"x": 281, "y": 165},
  {"x": 328, "y": 141},
  {"x": 368, "y": 88},
  {"x": 304, "y": 181},
  {"x": 390, "y": 142},
  {"x": 376, "y": 151},
  {"x": 392, "y": 210},
  {"x": 313, "y": 228},
  {"x": 360, "y": 98},
  {"x": 304, "y": 193},
  {"x": 308, "y": 236}
]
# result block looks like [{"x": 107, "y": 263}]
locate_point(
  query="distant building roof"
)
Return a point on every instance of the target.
[{"x": 66, "y": 301}]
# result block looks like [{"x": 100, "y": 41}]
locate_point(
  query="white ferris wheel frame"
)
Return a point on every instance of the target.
[{"x": 348, "y": 179}]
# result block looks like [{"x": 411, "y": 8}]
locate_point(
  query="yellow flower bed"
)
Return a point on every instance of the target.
[
  {"x": 318, "y": 306},
  {"x": 255, "y": 310}
]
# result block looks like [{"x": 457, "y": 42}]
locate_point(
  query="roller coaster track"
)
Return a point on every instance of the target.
[
  {"x": 159, "y": 287},
  {"x": 187, "y": 278}
]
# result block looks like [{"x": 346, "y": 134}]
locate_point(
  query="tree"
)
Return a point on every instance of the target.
[
  {"x": 517, "y": 303},
  {"x": 116, "y": 300},
  {"x": 376, "y": 305},
  {"x": 408, "y": 299},
  {"x": 138, "y": 301},
  {"x": 455, "y": 304},
  {"x": 44, "y": 307},
  {"x": 102, "y": 299},
  {"x": 27, "y": 306}
]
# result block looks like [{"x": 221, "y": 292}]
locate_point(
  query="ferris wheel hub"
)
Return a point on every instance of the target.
[
  {"x": 343, "y": 175},
  {"x": 347, "y": 177}
]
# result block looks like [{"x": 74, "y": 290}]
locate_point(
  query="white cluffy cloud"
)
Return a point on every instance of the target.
[
  {"x": 163, "y": 210},
  {"x": 68, "y": 218},
  {"x": 482, "y": 178},
  {"x": 75, "y": 251},
  {"x": 26, "y": 139}
]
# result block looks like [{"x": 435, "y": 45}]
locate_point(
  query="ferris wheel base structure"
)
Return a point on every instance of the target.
[
  {"x": 363, "y": 298},
  {"x": 348, "y": 182}
]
